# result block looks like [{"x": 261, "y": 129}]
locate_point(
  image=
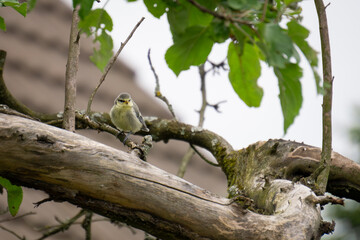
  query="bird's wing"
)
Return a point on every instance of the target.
[{"x": 140, "y": 117}]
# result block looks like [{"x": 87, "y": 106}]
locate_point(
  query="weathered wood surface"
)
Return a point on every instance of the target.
[{"x": 113, "y": 183}]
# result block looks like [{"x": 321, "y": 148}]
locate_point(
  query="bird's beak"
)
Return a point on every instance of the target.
[{"x": 126, "y": 102}]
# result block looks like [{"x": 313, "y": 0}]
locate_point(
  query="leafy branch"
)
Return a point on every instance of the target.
[{"x": 256, "y": 36}]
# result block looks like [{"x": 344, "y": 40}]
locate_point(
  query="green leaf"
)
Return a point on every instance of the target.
[
  {"x": 290, "y": 92},
  {"x": 183, "y": 15},
  {"x": 102, "y": 56},
  {"x": 76, "y": 2},
  {"x": 178, "y": 20},
  {"x": 244, "y": 72},
  {"x": 287, "y": 2},
  {"x": 105, "y": 41},
  {"x": 14, "y": 195},
  {"x": 196, "y": 16},
  {"x": 4, "y": 3},
  {"x": 219, "y": 30},
  {"x": 31, "y": 5},
  {"x": 85, "y": 7},
  {"x": 241, "y": 33},
  {"x": 244, "y": 4},
  {"x": 277, "y": 46},
  {"x": 97, "y": 19},
  {"x": 156, "y": 7},
  {"x": 191, "y": 49},
  {"x": 8, "y": 1},
  {"x": 2, "y": 24},
  {"x": 19, "y": 7},
  {"x": 299, "y": 34}
]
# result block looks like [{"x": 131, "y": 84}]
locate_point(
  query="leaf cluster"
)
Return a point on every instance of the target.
[{"x": 266, "y": 31}]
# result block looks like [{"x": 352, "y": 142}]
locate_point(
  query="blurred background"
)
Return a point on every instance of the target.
[{"x": 35, "y": 71}]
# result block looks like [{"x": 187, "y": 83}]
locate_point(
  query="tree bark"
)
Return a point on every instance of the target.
[
  {"x": 322, "y": 176},
  {"x": 118, "y": 185},
  {"x": 72, "y": 67}
]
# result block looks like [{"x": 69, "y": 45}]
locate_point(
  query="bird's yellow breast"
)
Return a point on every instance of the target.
[{"x": 124, "y": 118}]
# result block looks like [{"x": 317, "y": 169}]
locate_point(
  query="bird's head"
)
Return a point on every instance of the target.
[{"x": 124, "y": 99}]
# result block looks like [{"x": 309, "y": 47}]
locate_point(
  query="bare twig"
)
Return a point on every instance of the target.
[
  {"x": 110, "y": 64},
  {"x": 158, "y": 93},
  {"x": 64, "y": 226},
  {"x": 12, "y": 232},
  {"x": 203, "y": 157},
  {"x": 191, "y": 150},
  {"x": 8, "y": 99},
  {"x": 215, "y": 67},
  {"x": 37, "y": 204},
  {"x": 322, "y": 173},
  {"x": 216, "y": 106},
  {"x": 323, "y": 200},
  {"x": 184, "y": 162},
  {"x": 86, "y": 224},
  {"x": 5, "y": 109},
  {"x": 17, "y": 217},
  {"x": 72, "y": 67},
  {"x": 202, "y": 74}
]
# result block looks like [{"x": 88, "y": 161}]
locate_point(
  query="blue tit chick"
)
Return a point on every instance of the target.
[{"x": 125, "y": 115}]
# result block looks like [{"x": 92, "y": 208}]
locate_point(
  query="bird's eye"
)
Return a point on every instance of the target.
[{"x": 120, "y": 100}]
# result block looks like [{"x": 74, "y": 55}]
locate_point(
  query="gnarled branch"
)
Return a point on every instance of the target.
[{"x": 115, "y": 184}]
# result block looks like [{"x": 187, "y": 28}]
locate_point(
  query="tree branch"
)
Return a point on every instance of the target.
[
  {"x": 295, "y": 160},
  {"x": 292, "y": 161},
  {"x": 63, "y": 226},
  {"x": 158, "y": 93},
  {"x": 8, "y": 99},
  {"x": 322, "y": 173},
  {"x": 72, "y": 67},
  {"x": 191, "y": 150},
  {"x": 203, "y": 157},
  {"x": 164, "y": 130},
  {"x": 120, "y": 186},
  {"x": 12, "y": 232},
  {"x": 86, "y": 224}
]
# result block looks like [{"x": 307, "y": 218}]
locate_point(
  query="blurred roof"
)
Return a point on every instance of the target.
[{"x": 35, "y": 74}]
